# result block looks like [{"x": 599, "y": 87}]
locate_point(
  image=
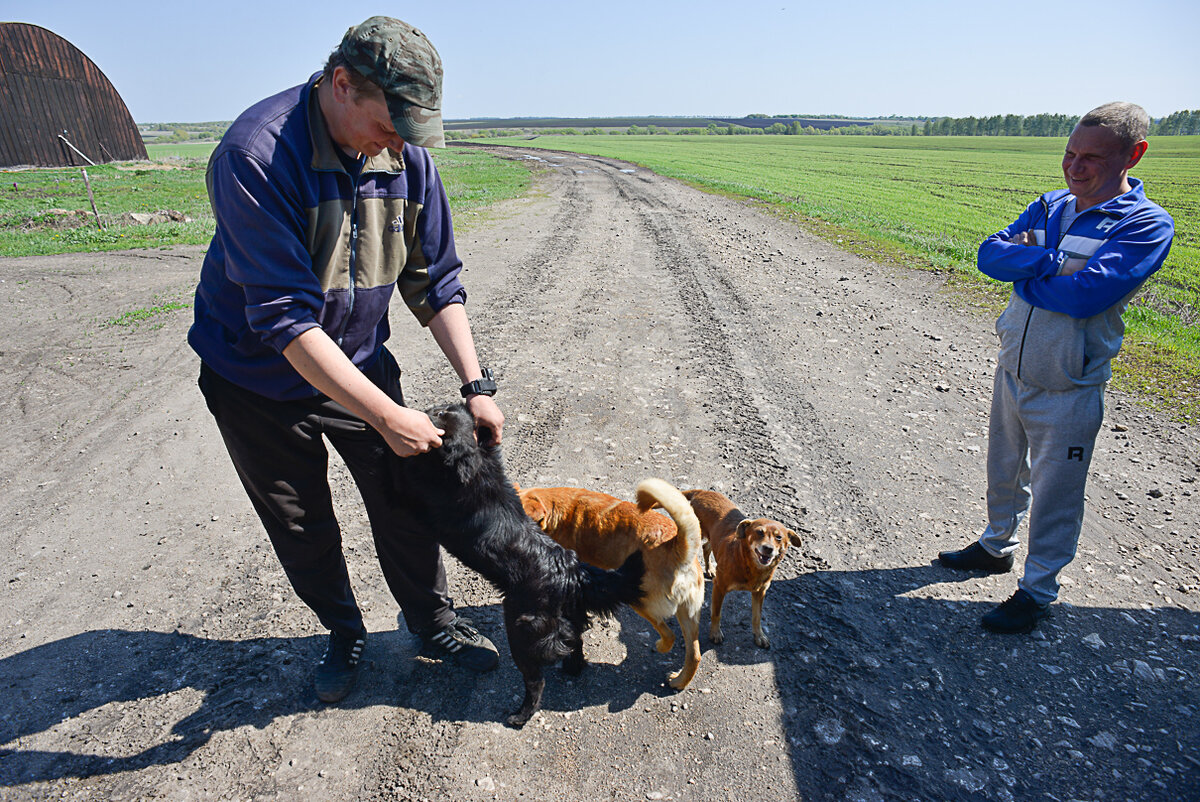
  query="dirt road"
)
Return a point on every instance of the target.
[{"x": 150, "y": 647}]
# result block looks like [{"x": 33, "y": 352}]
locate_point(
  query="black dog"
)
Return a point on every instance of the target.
[{"x": 461, "y": 494}]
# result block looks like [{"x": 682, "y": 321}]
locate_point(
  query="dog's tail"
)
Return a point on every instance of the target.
[
  {"x": 653, "y": 493},
  {"x": 605, "y": 591}
]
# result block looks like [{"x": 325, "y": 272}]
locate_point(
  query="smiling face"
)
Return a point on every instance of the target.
[
  {"x": 766, "y": 540},
  {"x": 1096, "y": 166}
]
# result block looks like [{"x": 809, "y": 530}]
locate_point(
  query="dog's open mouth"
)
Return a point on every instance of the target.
[{"x": 765, "y": 556}]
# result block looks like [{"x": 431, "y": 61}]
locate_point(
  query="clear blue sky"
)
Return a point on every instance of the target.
[{"x": 185, "y": 62}]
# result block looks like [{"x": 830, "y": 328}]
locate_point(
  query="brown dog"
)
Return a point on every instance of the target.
[
  {"x": 747, "y": 553},
  {"x": 604, "y": 530}
]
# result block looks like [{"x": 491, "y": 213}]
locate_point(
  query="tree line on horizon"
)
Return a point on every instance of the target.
[{"x": 1179, "y": 123}]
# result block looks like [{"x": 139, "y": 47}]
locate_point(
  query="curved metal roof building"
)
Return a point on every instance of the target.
[{"x": 51, "y": 92}]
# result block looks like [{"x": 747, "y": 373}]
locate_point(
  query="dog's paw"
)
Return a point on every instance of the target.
[
  {"x": 716, "y": 636},
  {"x": 762, "y": 641},
  {"x": 678, "y": 680},
  {"x": 518, "y": 720},
  {"x": 665, "y": 645}
]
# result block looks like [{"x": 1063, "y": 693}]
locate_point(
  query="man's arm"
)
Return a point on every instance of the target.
[
  {"x": 452, "y": 332},
  {"x": 323, "y": 365},
  {"x": 1084, "y": 288},
  {"x": 1012, "y": 254}
]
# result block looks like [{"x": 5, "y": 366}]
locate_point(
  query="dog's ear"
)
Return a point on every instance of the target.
[
  {"x": 793, "y": 538},
  {"x": 741, "y": 529},
  {"x": 534, "y": 508}
]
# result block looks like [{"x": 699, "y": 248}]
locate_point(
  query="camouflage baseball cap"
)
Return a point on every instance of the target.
[{"x": 402, "y": 61}]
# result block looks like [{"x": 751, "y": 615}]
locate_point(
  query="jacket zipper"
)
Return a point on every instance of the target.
[
  {"x": 1029, "y": 317},
  {"x": 353, "y": 253}
]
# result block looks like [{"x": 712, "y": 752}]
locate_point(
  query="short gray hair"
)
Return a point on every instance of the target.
[{"x": 1128, "y": 121}]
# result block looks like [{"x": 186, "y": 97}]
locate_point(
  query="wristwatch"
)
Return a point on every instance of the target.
[{"x": 484, "y": 386}]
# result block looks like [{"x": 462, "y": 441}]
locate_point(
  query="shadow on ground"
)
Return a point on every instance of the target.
[
  {"x": 106, "y": 688},
  {"x": 889, "y": 692},
  {"x": 886, "y": 693}
]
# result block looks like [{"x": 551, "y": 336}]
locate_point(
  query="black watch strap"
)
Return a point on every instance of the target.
[{"x": 484, "y": 386}]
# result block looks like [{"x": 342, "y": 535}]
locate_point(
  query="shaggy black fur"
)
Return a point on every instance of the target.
[{"x": 460, "y": 492}]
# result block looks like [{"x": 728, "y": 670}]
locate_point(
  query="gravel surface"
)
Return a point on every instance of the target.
[{"x": 150, "y": 647}]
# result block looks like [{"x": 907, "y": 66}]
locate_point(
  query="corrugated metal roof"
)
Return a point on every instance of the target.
[{"x": 47, "y": 88}]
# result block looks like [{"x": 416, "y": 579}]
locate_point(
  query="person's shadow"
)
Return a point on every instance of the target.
[
  {"x": 70, "y": 686},
  {"x": 886, "y": 691},
  {"x": 889, "y": 690}
]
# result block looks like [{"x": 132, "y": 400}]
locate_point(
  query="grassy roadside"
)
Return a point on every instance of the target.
[
  {"x": 928, "y": 202},
  {"x": 45, "y": 211}
]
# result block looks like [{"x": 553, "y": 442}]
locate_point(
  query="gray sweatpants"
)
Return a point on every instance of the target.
[{"x": 1040, "y": 445}]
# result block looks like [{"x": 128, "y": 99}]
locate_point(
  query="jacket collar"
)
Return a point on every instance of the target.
[
  {"x": 1124, "y": 203},
  {"x": 325, "y": 157},
  {"x": 1120, "y": 206}
]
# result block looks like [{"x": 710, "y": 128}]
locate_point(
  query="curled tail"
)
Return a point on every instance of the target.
[
  {"x": 605, "y": 591},
  {"x": 653, "y": 493}
]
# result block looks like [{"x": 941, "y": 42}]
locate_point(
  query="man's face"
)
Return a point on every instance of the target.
[
  {"x": 1095, "y": 165},
  {"x": 366, "y": 126}
]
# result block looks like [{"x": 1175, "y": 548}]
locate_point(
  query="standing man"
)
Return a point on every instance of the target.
[
  {"x": 1075, "y": 257},
  {"x": 327, "y": 204}
]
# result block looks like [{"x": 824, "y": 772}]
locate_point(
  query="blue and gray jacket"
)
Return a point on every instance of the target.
[
  {"x": 302, "y": 242},
  {"x": 1060, "y": 332}
]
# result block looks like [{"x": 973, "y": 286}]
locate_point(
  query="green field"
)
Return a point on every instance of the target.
[
  {"x": 920, "y": 201},
  {"x": 180, "y": 150},
  {"x": 930, "y": 201},
  {"x": 174, "y": 180}
]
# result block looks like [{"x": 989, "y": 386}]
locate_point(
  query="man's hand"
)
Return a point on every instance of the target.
[
  {"x": 489, "y": 420},
  {"x": 1023, "y": 238},
  {"x": 409, "y": 431},
  {"x": 1072, "y": 265},
  {"x": 322, "y": 363}
]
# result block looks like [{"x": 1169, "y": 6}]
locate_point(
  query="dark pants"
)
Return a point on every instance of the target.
[{"x": 279, "y": 453}]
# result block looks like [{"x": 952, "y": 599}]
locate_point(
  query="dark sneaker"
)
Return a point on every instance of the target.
[
  {"x": 338, "y": 669},
  {"x": 1018, "y": 615},
  {"x": 461, "y": 642},
  {"x": 975, "y": 558}
]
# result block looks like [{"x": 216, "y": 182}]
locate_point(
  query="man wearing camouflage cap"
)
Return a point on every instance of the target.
[{"x": 327, "y": 203}]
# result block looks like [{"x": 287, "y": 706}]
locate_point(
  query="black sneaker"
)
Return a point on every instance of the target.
[
  {"x": 1018, "y": 615},
  {"x": 338, "y": 669},
  {"x": 975, "y": 558},
  {"x": 461, "y": 642}
]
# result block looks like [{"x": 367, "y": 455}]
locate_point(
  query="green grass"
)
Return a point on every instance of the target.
[
  {"x": 27, "y": 225},
  {"x": 930, "y": 201},
  {"x": 180, "y": 150},
  {"x": 174, "y": 180},
  {"x": 135, "y": 317}
]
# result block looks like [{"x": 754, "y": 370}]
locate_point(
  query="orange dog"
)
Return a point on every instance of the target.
[
  {"x": 604, "y": 530},
  {"x": 747, "y": 552}
]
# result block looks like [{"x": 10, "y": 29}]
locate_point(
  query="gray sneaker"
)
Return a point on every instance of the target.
[{"x": 461, "y": 642}]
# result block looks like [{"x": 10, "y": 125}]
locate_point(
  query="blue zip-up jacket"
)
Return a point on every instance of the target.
[
  {"x": 1060, "y": 332},
  {"x": 301, "y": 243}
]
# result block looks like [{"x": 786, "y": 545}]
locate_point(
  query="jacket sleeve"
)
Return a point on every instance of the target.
[
  {"x": 430, "y": 280},
  {"x": 1135, "y": 250},
  {"x": 1004, "y": 260},
  {"x": 263, "y": 227}
]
